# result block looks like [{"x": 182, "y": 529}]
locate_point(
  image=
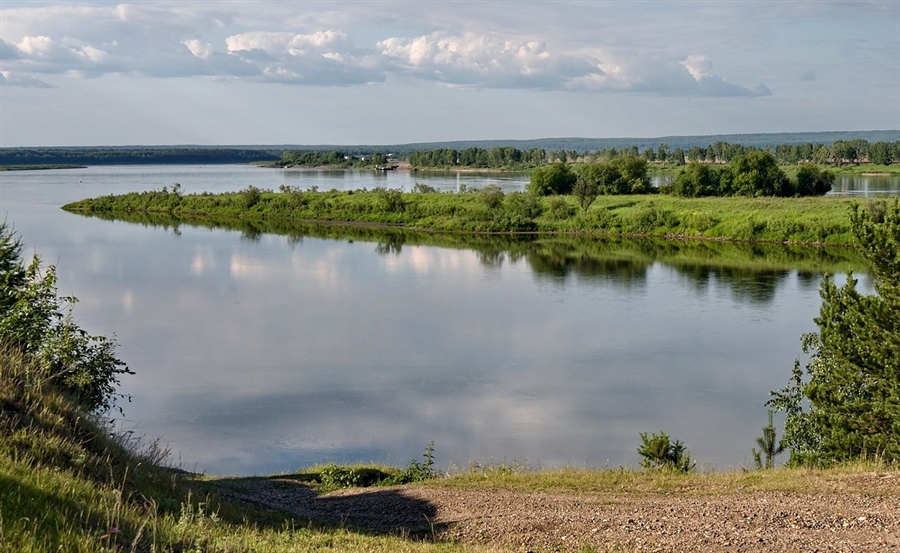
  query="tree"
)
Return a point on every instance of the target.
[
  {"x": 768, "y": 446},
  {"x": 696, "y": 179},
  {"x": 845, "y": 405},
  {"x": 756, "y": 173},
  {"x": 633, "y": 171},
  {"x": 552, "y": 179},
  {"x": 39, "y": 324},
  {"x": 585, "y": 190},
  {"x": 813, "y": 181},
  {"x": 881, "y": 153}
]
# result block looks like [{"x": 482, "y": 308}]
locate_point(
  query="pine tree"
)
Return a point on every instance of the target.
[{"x": 852, "y": 381}]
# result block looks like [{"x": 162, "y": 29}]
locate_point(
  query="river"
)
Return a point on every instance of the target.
[{"x": 257, "y": 353}]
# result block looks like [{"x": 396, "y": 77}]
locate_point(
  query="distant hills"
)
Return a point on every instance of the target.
[{"x": 199, "y": 154}]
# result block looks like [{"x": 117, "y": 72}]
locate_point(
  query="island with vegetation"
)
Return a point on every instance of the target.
[{"x": 751, "y": 199}]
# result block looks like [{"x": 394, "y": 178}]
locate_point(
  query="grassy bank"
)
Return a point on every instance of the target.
[{"x": 813, "y": 220}]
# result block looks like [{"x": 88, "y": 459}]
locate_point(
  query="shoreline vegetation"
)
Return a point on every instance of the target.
[{"x": 809, "y": 221}]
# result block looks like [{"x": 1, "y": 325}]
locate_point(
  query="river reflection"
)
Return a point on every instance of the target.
[
  {"x": 260, "y": 352},
  {"x": 267, "y": 347}
]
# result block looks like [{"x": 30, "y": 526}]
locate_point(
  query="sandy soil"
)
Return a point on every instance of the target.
[{"x": 845, "y": 520}]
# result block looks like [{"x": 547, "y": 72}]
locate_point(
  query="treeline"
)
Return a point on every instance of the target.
[
  {"x": 839, "y": 153},
  {"x": 133, "y": 156},
  {"x": 332, "y": 158},
  {"x": 479, "y": 158},
  {"x": 753, "y": 174}
]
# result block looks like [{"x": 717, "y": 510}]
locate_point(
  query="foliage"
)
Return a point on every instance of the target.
[
  {"x": 696, "y": 179},
  {"x": 423, "y": 188},
  {"x": 819, "y": 220},
  {"x": 250, "y": 195},
  {"x": 845, "y": 405},
  {"x": 768, "y": 446},
  {"x": 491, "y": 196},
  {"x": 659, "y": 452},
  {"x": 551, "y": 180},
  {"x": 391, "y": 199},
  {"x": 585, "y": 191},
  {"x": 755, "y": 173},
  {"x": 39, "y": 323},
  {"x": 813, "y": 181},
  {"x": 416, "y": 471},
  {"x": 350, "y": 477}
]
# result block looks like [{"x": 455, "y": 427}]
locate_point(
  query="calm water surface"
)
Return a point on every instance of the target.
[{"x": 269, "y": 354}]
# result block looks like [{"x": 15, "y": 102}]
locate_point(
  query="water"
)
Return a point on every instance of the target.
[{"x": 256, "y": 354}]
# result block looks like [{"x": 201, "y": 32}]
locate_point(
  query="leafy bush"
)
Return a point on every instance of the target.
[
  {"x": 560, "y": 209},
  {"x": 422, "y": 188},
  {"x": 391, "y": 200},
  {"x": 350, "y": 477},
  {"x": 526, "y": 206},
  {"x": 552, "y": 179},
  {"x": 416, "y": 471},
  {"x": 659, "y": 452},
  {"x": 39, "y": 324},
  {"x": 491, "y": 196},
  {"x": 250, "y": 196}
]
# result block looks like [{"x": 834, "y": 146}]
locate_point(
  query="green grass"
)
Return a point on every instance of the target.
[
  {"x": 814, "y": 221},
  {"x": 868, "y": 169}
]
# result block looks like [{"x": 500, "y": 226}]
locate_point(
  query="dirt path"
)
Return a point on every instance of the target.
[{"x": 535, "y": 521}]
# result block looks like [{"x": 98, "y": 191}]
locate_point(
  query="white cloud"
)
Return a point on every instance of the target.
[
  {"x": 169, "y": 40},
  {"x": 485, "y": 61},
  {"x": 202, "y": 50}
]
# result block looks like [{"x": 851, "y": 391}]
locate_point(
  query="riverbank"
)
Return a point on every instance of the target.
[{"x": 810, "y": 220}]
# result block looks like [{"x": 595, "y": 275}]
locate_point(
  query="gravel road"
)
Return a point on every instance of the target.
[{"x": 508, "y": 520}]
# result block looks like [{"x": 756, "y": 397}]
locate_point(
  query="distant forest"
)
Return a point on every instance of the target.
[{"x": 487, "y": 153}]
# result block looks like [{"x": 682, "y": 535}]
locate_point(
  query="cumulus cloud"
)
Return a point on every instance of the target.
[
  {"x": 169, "y": 40},
  {"x": 484, "y": 60},
  {"x": 320, "y": 58}
]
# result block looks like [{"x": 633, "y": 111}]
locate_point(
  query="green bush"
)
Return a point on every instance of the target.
[
  {"x": 37, "y": 322},
  {"x": 660, "y": 452}
]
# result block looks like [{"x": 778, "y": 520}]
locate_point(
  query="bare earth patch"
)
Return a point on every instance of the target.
[{"x": 844, "y": 519}]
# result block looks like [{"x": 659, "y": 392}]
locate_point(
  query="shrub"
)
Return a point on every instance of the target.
[
  {"x": 424, "y": 188},
  {"x": 391, "y": 200},
  {"x": 526, "y": 206},
  {"x": 659, "y": 452},
  {"x": 38, "y": 323},
  {"x": 250, "y": 196},
  {"x": 491, "y": 196}
]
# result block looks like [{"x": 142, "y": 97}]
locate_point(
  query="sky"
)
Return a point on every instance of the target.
[{"x": 76, "y": 73}]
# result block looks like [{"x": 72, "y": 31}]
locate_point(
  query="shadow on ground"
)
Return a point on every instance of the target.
[{"x": 370, "y": 510}]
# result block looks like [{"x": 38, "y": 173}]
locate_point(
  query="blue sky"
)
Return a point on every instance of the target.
[{"x": 381, "y": 72}]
